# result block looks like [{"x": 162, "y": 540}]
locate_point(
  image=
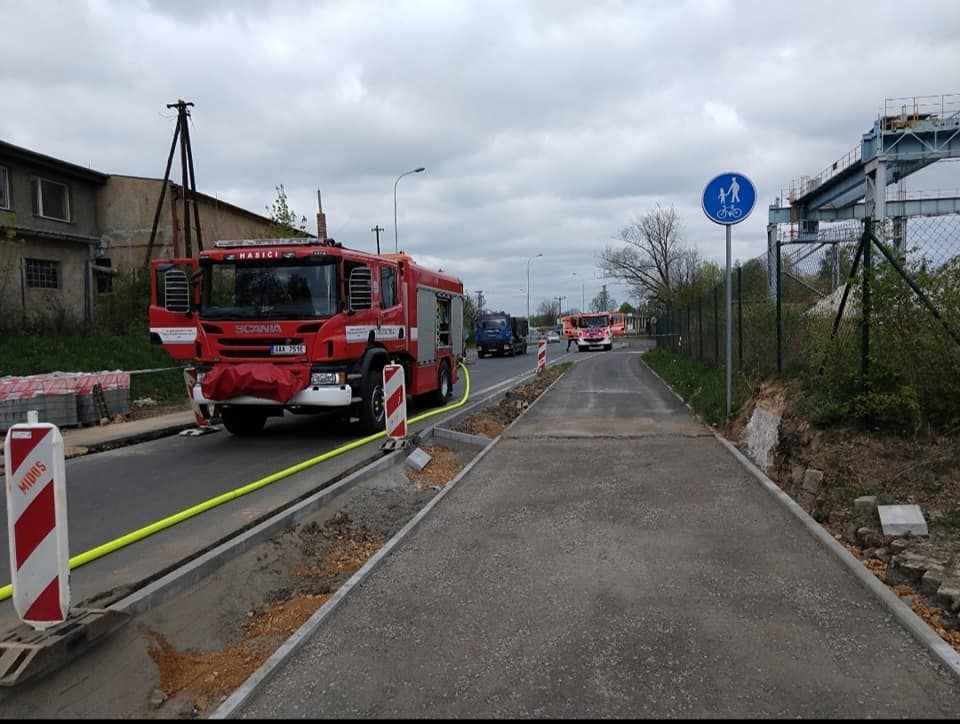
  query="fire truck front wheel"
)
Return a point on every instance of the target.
[
  {"x": 373, "y": 408},
  {"x": 243, "y": 420}
]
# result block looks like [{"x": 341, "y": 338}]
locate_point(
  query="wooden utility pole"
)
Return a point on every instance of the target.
[
  {"x": 377, "y": 230},
  {"x": 188, "y": 187}
]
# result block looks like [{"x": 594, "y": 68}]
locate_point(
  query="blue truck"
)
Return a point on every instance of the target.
[{"x": 499, "y": 333}]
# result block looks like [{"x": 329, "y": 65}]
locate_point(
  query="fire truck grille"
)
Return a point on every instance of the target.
[{"x": 234, "y": 347}]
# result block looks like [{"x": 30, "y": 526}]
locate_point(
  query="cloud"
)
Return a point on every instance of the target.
[{"x": 544, "y": 126}]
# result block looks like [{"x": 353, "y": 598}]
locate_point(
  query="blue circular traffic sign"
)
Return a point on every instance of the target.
[{"x": 729, "y": 198}]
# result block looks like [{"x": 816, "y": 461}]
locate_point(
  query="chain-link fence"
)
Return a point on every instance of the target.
[
  {"x": 869, "y": 310},
  {"x": 698, "y": 329}
]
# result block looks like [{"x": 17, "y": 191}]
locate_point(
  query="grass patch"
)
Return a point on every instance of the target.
[
  {"x": 852, "y": 492},
  {"x": 701, "y": 386},
  {"x": 950, "y": 519},
  {"x": 32, "y": 354}
]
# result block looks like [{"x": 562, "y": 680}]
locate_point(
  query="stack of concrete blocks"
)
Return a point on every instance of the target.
[
  {"x": 86, "y": 408},
  {"x": 116, "y": 391},
  {"x": 52, "y": 396},
  {"x": 116, "y": 394},
  {"x": 63, "y": 399}
]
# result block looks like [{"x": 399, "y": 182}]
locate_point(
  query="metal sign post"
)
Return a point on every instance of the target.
[{"x": 728, "y": 199}]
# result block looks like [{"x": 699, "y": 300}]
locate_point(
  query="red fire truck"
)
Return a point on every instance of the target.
[
  {"x": 596, "y": 330},
  {"x": 305, "y": 325}
]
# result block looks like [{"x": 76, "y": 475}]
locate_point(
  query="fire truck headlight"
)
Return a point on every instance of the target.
[{"x": 328, "y": 378}]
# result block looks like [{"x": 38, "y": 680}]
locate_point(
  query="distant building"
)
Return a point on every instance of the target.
[
  {"x": 126, "y": 206},
  {"x": 49, "y": 234},
  {"x": 66, "y": 231}
]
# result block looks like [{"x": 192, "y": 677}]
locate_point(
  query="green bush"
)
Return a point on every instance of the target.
[
  {"x": 702, "y": 386},
  {"x": 896, "y": 412},
  {"x": 822, "y": 409},
  {"x": 914, "y": 363}
]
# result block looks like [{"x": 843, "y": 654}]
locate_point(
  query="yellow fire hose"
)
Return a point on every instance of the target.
[{"x": 148, "y": 530}]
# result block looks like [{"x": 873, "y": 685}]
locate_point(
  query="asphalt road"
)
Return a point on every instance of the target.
[{"x": 112, "y": 493}]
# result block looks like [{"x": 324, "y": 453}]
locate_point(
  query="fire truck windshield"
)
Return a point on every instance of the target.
[
  {"x": 269, "y": 291},
  {"x": 594, "y": 322}
]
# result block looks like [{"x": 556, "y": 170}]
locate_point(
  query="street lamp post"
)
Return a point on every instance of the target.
[
  {"x": 582, "y": 285},
  {"x": 396, "y": 244},
  {"x": 528, "y": 283}
]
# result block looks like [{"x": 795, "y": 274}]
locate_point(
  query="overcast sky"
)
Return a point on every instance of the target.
[{"x": 544, "y": 127}]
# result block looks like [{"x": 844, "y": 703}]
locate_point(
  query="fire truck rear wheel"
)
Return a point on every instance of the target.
[
  {"x": 442, "y": 394},
  {"x": 242, "y": 421},
  {"x": 373, "y": 407}
]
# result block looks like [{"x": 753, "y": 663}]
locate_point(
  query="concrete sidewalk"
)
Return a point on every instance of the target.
[
  {"x": 609, "y": 558},
  {"x": 83, "y": 440}
]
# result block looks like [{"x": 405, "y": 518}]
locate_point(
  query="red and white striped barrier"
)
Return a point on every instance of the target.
[
  {"x": 541, "y": 356},
  {"x": 395, "y": 398},
  {"x": 190, "y": 379},
  {"x": 37, "y": 523}
]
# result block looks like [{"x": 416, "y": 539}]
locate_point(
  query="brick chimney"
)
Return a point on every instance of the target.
[{"x": 321, "y": 219}]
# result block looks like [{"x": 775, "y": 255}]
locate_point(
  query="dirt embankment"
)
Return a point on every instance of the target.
[{"x": 914, "y": 470}]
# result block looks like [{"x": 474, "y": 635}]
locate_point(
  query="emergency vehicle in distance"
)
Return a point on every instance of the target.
[
  {"x": 305, "y": 325},
  {"x": 594, "y": 330},
  {"x": 569, "y": 326},
  {"x": 619, "y": 323}
]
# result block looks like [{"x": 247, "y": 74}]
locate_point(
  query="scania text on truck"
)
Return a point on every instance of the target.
[
  {"x": 501, "y": 333},
  {"x": 595, "y": 330},
  {"x": 305, "y": 325}
]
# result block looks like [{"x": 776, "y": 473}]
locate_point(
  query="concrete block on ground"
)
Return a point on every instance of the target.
[
  {"x": 812, "y": 480},
  {"x": 418, "y": 459},
  {"x": 865, "y": 505},
  {"x": 902, "y": 520}
]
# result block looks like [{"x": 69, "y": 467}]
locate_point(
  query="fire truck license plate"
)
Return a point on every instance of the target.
[{"x": 288, "y": 349}]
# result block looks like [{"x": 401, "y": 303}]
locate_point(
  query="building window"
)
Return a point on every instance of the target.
[
  {"x": 51, "y": 200},
  {"x": 42, "y": 274},
  {"x": 4, "y": 188},
  {"x": 104, "y": 280}
]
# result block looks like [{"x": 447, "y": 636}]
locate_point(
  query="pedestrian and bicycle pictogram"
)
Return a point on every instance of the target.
[
  {"x": 37, "y": 523},
  {"x": 729, "y": 198},
  {"x": 395, "y": 398}
]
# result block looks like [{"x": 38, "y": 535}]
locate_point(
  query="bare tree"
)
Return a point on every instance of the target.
[
  {"x": 547, "y": 312},
  {"x": 651, "y": 262},
  {"x": 603, "y": 302}
]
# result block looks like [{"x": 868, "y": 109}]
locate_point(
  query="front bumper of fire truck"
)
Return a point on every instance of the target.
[
  {"x": 595, "y": 341},
  {"x": 326, "y": 389}
]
